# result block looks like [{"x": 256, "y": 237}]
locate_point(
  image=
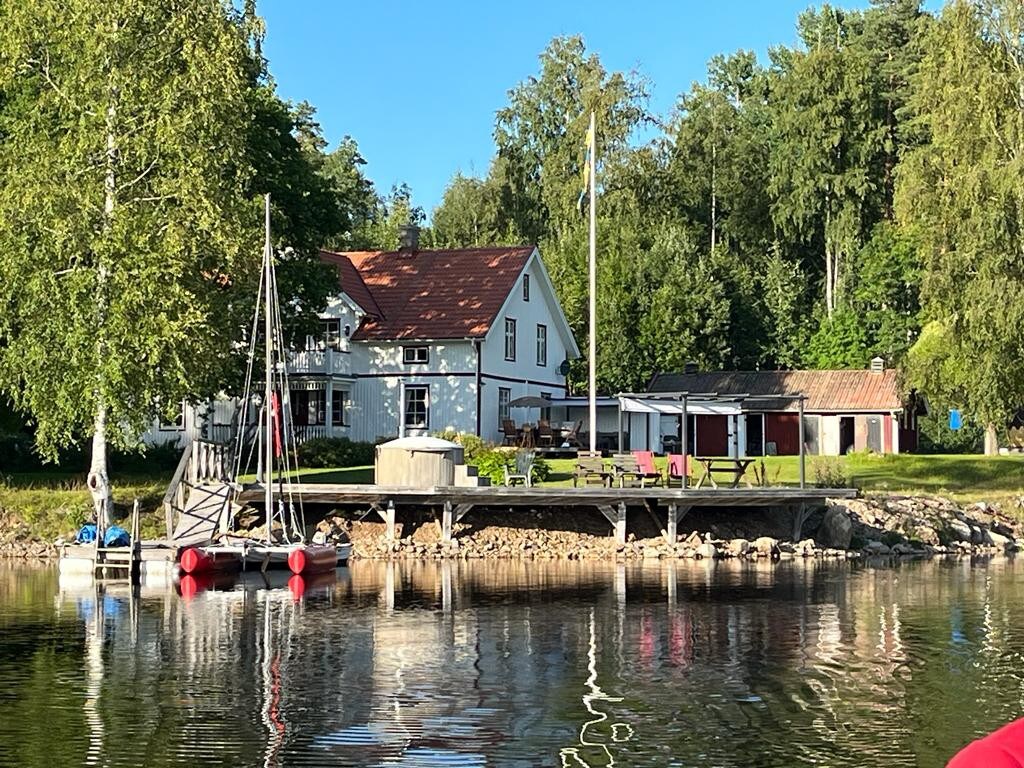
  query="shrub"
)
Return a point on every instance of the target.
[
  {"x": 828, "y": 472},
  {"x": 335, "y": 452},
  {"x": 490, "y": 459}
]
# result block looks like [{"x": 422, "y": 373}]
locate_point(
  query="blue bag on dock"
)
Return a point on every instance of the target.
[
  {"x": 116, "y": 537},
  {"x": 86, "y": 534}
]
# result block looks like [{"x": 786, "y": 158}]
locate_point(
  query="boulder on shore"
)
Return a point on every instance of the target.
[{"x": 836, "y": 530}]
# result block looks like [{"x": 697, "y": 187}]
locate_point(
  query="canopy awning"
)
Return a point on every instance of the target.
[{"x": 675, "y": 407}]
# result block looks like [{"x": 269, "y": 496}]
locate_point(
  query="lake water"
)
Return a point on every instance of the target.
[{"x": 498, "y": 664}]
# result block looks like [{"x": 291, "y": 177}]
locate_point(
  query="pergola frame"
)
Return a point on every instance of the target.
[{"x": 728, "y": 404}]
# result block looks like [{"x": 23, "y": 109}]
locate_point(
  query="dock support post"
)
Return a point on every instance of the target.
[
  {"x": 446, "y": 523},
  {"x": 389, "y": 520},
  {"x": 620, "y": 523},
  {"x": 670, "y": 526}
]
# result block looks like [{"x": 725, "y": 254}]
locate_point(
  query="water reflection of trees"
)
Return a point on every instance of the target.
[{"x": 524, "y": 664}]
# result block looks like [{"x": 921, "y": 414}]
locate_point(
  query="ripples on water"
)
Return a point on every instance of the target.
[{"x": 499, "y": 664}]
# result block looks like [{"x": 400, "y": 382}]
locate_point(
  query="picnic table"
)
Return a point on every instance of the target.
[{"x": 734, "y": 469}]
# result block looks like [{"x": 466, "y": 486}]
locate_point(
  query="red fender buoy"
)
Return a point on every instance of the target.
[
  {"x": 312, "y": 559},
  {"x": 194, "y": 560}
]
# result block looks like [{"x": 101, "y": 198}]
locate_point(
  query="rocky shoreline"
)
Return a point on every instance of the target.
[{"x": 875, "y": 525}]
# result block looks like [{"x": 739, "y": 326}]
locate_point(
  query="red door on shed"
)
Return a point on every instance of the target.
[
  {"x": 783, "y": 429},
  {"x": 712, "y": 436}
]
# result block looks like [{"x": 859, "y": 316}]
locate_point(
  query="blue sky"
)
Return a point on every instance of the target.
[{"x": 417, "y": 83}]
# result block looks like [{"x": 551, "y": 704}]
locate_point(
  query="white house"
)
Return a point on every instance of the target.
[{"x": 420, "y": 341}]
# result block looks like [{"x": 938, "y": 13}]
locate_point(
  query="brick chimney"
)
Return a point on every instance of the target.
[{"x": 408, "y": 238}]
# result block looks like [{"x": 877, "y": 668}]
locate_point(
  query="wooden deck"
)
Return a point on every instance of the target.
[{"x": 613, "y": 503}]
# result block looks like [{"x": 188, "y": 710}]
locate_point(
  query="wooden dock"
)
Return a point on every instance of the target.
[{"x": 454, "y": 503}]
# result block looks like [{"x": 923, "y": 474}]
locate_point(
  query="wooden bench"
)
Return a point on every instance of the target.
[{"x": 590, "y": 467}]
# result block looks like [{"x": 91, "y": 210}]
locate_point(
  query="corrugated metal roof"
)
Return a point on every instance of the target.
[
  {"x": 432, "y": 294},
  {"x": 848, "y": 391}
]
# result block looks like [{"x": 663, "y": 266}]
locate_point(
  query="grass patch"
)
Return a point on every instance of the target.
[{"x": 48, "y": 504}]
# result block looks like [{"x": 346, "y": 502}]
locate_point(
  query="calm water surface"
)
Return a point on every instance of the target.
[{"x": 734, "y": 664}]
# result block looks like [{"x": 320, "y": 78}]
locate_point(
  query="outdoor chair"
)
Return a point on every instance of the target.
[
  {"x": 545, "y": 437},
  {"x": 523, "y": 471},
  {"x": 572, "y": 437},
  {"x": 649, "y": 475},
  {"x": 508, "y": 429},
  {"x": 678, "y": 468},
  {"x": 589, "y": 468},
  {"x": 626, "y": 469}
]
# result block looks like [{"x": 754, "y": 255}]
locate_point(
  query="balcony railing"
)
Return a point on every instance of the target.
[{"x": 320, "y": 361}]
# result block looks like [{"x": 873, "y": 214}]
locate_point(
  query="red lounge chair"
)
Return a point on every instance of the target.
[
  {"x": 678, "y": 468},
  {"x": 649, "y": 476}
]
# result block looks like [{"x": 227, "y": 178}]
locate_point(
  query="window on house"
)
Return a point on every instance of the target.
[
  {"x": 339, "y": 408},
  {"x": 309, "y": 407},
  {"x": 526, "y": 287},
  {"x": 504, "y": 398},
  {"x": 510, "y": 339},
  {"x": 542, "y": 344},
  {"x": 416, "y": 407},
  {"x": 415, "y": 355},
  {"x": 174, "y": 417},
  {"x": 331, "y": 331}
]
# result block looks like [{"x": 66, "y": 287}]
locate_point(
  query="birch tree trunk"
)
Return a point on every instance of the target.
[
  {"x": 991, "y": 440},
  {"x": 99, "y": 479}
]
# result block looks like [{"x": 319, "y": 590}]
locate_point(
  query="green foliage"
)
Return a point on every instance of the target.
[
  {"x": 338, "y": 452},
  {"x": 490, "y": 460},
  {"x": 962, "y": 193},
  {"x": 828, "y": 472},
  {"x": 937, "y": 437}
]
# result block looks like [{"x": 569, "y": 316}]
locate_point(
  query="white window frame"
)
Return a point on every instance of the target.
[
  {"x": 411, "y": 355},
  {"x": 542, "y": 345},
  {"x": 339, "y": 416},
  {"x": 178, "y": 425},
  {"x": 409, "y": 389},
  {"x": 504, "y": 409},
  {"x": 510, "y": 339},
  {"x": 526, "y": 287}
]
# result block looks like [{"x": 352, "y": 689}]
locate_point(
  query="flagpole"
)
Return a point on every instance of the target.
[{"x": 593, "y": 282}]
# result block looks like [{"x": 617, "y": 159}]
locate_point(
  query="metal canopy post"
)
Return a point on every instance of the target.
[
  {"x": 619, "y": 444},
  {"x": 684, "y": 443},
  {"x": 803, "y": 469}
]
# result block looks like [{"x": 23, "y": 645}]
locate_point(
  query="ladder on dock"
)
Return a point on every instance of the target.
[{"x": 120, "y": 560}]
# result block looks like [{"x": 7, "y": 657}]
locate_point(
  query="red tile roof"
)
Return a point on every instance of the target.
[
  {"x": 434, "y": 294},
  {"x": 826, "y": 391}
]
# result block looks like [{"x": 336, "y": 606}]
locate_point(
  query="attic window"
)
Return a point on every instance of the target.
[
  {"x": 415, "y": 355},
  {"x": 526, "y": 287}
]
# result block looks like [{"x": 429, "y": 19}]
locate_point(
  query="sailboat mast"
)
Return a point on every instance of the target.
[{"x": 268, "y": 434}]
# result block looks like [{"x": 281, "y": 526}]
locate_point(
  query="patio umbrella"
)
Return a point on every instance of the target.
[{"x": 530, "y": 401}]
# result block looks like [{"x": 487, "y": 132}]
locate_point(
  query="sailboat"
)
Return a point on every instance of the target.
[{"x": 283, "y": 540}]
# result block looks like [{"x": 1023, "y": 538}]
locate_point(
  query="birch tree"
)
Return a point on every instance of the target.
[
  {"x": 962, "y": 193},
  {"x": 126, "y": 229}
]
